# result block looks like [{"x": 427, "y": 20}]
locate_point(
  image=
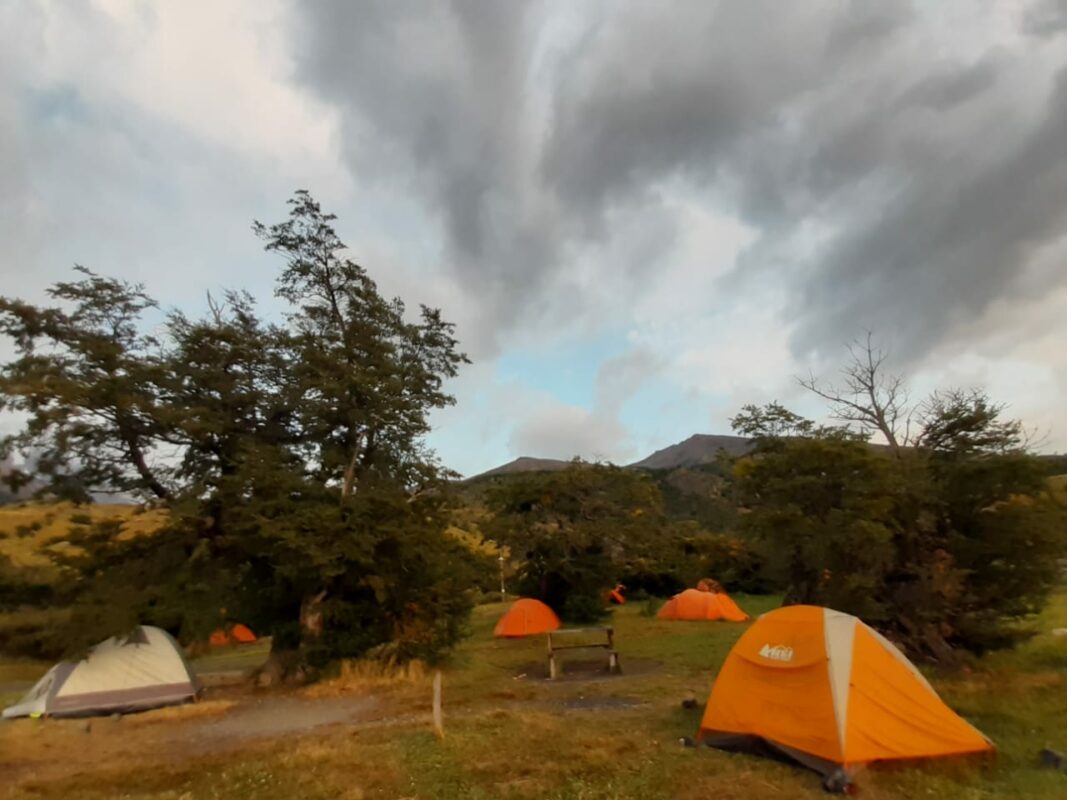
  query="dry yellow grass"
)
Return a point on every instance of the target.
[
  {"x": 28, "y": 530},
  {"x": 366, "y": 676},
  {"x": 205, "y": 708},
  {"x": 1058, "y": 487}
]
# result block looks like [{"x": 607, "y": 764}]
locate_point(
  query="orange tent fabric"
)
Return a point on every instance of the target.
[
  {"x": 731, "y": 611},
  {"x": 235, "y": 634},
  {"x": 693, "y": 604},
  {"x": 526, "y": 617},
  {"x": 827, "y": 690},
  {"x": 242, "y": 634}
]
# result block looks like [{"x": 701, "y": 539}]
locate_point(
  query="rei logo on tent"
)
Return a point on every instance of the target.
[{"x": 777, "y": 653}]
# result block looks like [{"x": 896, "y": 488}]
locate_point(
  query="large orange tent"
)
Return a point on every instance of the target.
[
  {"x": 526, "y": 617},
  {"x": 235, "y": 634},
  {"x": 693, "y": 604},
  {"x": 823, "y": 688}
]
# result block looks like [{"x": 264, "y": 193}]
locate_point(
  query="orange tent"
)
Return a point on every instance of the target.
[
  {"x": 525, "y": 618},
  {"x": 235, "y": 634},
  {"x": 830, "y": 692},
  {"x": 693, "y": 604}
]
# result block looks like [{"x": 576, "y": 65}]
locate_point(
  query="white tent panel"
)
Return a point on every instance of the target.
[{"x": 128, "y": 673}]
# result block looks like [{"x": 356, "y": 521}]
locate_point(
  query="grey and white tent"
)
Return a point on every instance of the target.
[{"x": 145, "y": 669}]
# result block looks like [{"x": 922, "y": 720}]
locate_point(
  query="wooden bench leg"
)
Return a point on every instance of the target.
[{"x": 613, "y": 662}]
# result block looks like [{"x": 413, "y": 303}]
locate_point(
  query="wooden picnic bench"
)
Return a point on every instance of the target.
[{"x": 608, "y": 644}]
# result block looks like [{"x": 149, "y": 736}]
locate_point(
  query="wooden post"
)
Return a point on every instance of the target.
[
  {"x": 438, "y": 718},
  {"x": 613, "y": 657},
  {"x": 551, "y": 659}
]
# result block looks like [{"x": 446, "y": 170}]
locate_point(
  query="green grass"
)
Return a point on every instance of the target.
[
  {"x": 242, "y": 657},
  {"x": 516, "y": 738}
]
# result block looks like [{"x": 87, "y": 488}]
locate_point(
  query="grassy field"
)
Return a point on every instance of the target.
[
  {"x": 509, "y": 735},
  {"x": 28, "y": 530}
]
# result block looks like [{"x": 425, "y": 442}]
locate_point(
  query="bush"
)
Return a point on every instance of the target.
[
  {"x": 35, "y": 633},
  {"x": 651, "y": 607},
  {"x": 582, "y": 608}
]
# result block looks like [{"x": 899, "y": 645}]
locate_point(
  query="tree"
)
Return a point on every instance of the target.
[
  {"x": 87, "y": 380},
  {"x": 366, "y": 377},
  {"x": 949, "y": 548},
  {"x": 869, "y": 397},
  {"x": 289, "y": 454},
  {"x": 577, "y": 531},
  {"x": 821, "y": 502},
  {"x": 996, "y": 531}
]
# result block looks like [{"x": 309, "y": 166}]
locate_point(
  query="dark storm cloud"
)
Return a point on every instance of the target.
[
  {"x": 932, "y": 172},
  {"x": 1045, "y": 18},
  {"x": 948, "y": 246},
  {"x": 435, "y": 93}
]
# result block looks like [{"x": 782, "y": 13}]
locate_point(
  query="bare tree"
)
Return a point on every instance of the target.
[{"x": 868, "y": 396}]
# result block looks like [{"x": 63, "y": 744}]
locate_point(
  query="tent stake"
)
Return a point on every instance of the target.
[{"x": 438, "y": 718}]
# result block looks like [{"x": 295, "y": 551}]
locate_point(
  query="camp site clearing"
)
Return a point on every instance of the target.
[{"x": 509, "y": 733}]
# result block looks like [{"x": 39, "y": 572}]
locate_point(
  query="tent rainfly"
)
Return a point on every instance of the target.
[
  {"x": 144, "y": 669},
  {"x": 234, "y": 634},
  {"x": 694, "y": 604},
  {"x": 526, "y": 617},
  {"x": 822, "y": 688}
]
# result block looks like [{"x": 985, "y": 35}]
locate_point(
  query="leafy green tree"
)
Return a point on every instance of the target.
[
  {"x": 950, "y": 545},
  {"x": 997, "y": 533},
  {"x": 87, "y": 380},
  {"x": 289, "y": 454},
  {"x": 366, "y": 377},
  {"x": 577, "y": 531},
  {"x": 822, "y": 503}
]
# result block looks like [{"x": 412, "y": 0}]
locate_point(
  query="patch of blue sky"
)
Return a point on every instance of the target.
[
  {"x": 466, "y": 439},
  {"x": 659, "y": 414},
  {"x": 54, "y": 103},
  {"x": 567, "y": 370}
]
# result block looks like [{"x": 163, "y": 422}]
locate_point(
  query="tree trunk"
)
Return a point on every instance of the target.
[
  {"x": 349, "y": 484},
  {"x": 288, "y": 665},
  {"x": 281, "y": 666},
  {"x": 133, "y": 449}
]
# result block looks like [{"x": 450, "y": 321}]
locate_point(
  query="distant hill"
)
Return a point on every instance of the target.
[
  {"x": 695, "y": 451},
  {"x": 524, "y": 464},
  {"x": 698, "y": 449},
  {"x": 28, "y": 529}
]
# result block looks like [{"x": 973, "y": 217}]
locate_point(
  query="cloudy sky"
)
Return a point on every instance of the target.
[{"x": 640, "y": 215}]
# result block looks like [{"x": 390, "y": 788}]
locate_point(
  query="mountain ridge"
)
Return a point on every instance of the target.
[{"x": 698, "y": 449}]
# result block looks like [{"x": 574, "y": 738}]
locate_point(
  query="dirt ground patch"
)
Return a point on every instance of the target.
[
  {"x": 270, "y": 717},
  {"x": 31, "y": 749},
  {"x": 587, "y": 669},
  {"x": 597, "y": 703}
]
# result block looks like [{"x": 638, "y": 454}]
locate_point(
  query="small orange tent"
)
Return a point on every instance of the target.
[
  {"x": 526, "y": 617},
  {"x": 693, "y": 604},
  {"x": 235, "y": 634},
  {"x": 830, "y": 692}
]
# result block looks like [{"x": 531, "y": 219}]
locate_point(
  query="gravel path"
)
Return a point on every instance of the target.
[{"x": 268, "y": 718}]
